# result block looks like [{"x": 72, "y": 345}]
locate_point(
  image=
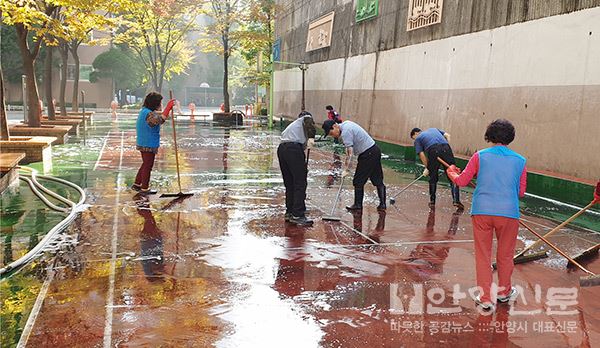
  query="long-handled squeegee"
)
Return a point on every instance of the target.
[{"x": 178, "y": 194}]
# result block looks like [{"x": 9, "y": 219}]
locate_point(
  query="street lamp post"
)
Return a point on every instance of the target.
[{"x": 303, "y": 67}]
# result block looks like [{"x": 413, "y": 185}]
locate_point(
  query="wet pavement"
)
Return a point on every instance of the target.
[{"x": 223, "y": 269}]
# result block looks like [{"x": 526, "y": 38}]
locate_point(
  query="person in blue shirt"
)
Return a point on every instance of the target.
[
  {"x": 429, "y": 145},
  {"x": 148, "y": 138}
]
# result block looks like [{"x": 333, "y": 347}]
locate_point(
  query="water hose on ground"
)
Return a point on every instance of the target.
[{"x": 73, "y": 211}]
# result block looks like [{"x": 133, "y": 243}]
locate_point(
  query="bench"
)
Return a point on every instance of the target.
[
  {"x": 36, "y": 149},
  {"x": 59, "y": 132},
  {"x": 8, "y": 171}
]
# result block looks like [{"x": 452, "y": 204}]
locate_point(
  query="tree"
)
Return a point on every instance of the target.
[
  {"x": 63, "y": 50},
  {"x": 34, "y": 18},
  {"x": 12, "y": 63},
  {"x": 120, "y": 66},
  {"x": 4, "y": 134},
  {"x": 156, "y": 30},
  {"x": 48, "y": 73},
  {"x": 257, "y": 41},
  {"x": 223, "y": 35},
  {"x": 30, "y": 17}
]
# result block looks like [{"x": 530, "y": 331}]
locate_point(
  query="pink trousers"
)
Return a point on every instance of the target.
[{"x": 506, "y": 230}]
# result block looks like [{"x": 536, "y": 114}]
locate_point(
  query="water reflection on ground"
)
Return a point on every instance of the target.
[{"x": 223, "y": 269}]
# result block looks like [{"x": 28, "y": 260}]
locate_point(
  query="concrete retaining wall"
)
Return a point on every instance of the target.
[{"x": 542, "y": 74}]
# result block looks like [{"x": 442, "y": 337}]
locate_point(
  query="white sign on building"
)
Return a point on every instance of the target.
[
  {"x": 319, "y": 32},
  {"x": 423, "y": 13}
]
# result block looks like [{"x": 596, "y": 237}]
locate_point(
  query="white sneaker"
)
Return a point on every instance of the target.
[
  {"x": 512, "y": 295},
  {"x": 487, "y": 306}
]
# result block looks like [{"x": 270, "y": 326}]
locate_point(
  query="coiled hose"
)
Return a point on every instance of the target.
[{"x": 72, "y": 210}]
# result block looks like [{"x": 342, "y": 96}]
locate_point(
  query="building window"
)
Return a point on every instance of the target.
[
  {"x": 423, "y": 13},
  {"x": 84, "y": 72}
]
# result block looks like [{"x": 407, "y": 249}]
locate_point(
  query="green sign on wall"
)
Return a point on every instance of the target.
[{"x": 366, "y": 9}]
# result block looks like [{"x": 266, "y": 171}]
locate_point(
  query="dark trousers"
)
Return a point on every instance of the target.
[
  {"x": 142, "y": 178},
  {"x": 444, "y": 152},
  {"x": 293, "y": 169},
  {"x": 368, "y": 167}
]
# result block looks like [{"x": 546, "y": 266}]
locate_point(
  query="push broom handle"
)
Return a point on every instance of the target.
[
  {"x": 553, "y": 231},
  {"x": 407, "y": 186},
  {"x": 542, "y": 238},
  {"x": 337, "y": 198},
  {"x": 556, "y": 229},
  {"x": 175, "y": 142},
  {"x": 448, "y": 166}
]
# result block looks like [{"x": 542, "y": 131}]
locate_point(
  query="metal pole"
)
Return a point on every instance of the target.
[
  {"x": 83, "y": 108},
  {"x": 303, "y": 68},
  {"x": 271, "y": 93},
  {"x": 24, "y": 84}
]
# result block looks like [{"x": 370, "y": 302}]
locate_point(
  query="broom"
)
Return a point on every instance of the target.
[
  {"x": 178, "y": 194},
  {"x": 393, "y": 199},
  {"x": 331, "y": 217},
  {"x": 588, "y": 281}
]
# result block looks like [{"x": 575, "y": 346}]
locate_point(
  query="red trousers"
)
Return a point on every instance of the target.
[
  {"x": 506, "y": 230},
  {"x": 142, "y": 178}
]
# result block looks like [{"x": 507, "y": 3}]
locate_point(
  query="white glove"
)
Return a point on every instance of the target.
[
  {"x": 310, "y": 143},
  {"x": 426, "y": 172}
]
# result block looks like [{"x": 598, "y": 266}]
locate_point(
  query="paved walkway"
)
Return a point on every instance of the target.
[{"x": 222, "y": 268}]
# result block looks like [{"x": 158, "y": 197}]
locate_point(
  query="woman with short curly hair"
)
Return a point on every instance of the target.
[
  {"x": 148, "y": 138},
  {"x": 501, "y": 181}
]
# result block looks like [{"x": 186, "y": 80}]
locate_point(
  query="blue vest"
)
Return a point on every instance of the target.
[
  {"x": 147, "y": 136},
  {"x": 497, "y": 191}
]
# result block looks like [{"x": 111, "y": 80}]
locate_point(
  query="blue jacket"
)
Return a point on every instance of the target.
[{"x": 147, "y": 136}]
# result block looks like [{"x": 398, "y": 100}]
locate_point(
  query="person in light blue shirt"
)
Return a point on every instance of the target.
[{"x": 358, "y": 141}]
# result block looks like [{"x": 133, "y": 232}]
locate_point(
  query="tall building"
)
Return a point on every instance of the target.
[{"x": 392, "y": 65}]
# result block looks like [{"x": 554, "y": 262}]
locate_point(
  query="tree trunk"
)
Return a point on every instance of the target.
[
  {"x": 33, "y": 97},
  {"x": 75, "y": 100},
  {"x": 123, "y": 97},
  {"x": 155, "y": 86},
  {"x": 48, "y": 82},
  {"x": 4, "y": 134},
  {"x": 226, "y": 81},
  {"x": 64, "y": 57}
]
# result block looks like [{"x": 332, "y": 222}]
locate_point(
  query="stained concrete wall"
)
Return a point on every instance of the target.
[{"x": 542, "y": 73}]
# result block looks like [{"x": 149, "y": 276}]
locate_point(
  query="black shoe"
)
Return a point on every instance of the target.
[
  {"x": 381, "y": 194},
  {"x": 301, "y": 221},
  {"x": 136, "y": 187},
  {"x": 459, "y": 206},
  {"x": 432, "y": 194},
  {"x": 148, "y": 192},
  {"x": 359, "y": 194},
  {"x": 287, "y": 217}
]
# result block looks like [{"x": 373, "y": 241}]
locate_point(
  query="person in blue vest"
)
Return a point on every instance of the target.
[
  {"x": 501, "y": 180},
  {"x": 429, "y": 145},
  {"x": 148, "y": 138}
]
